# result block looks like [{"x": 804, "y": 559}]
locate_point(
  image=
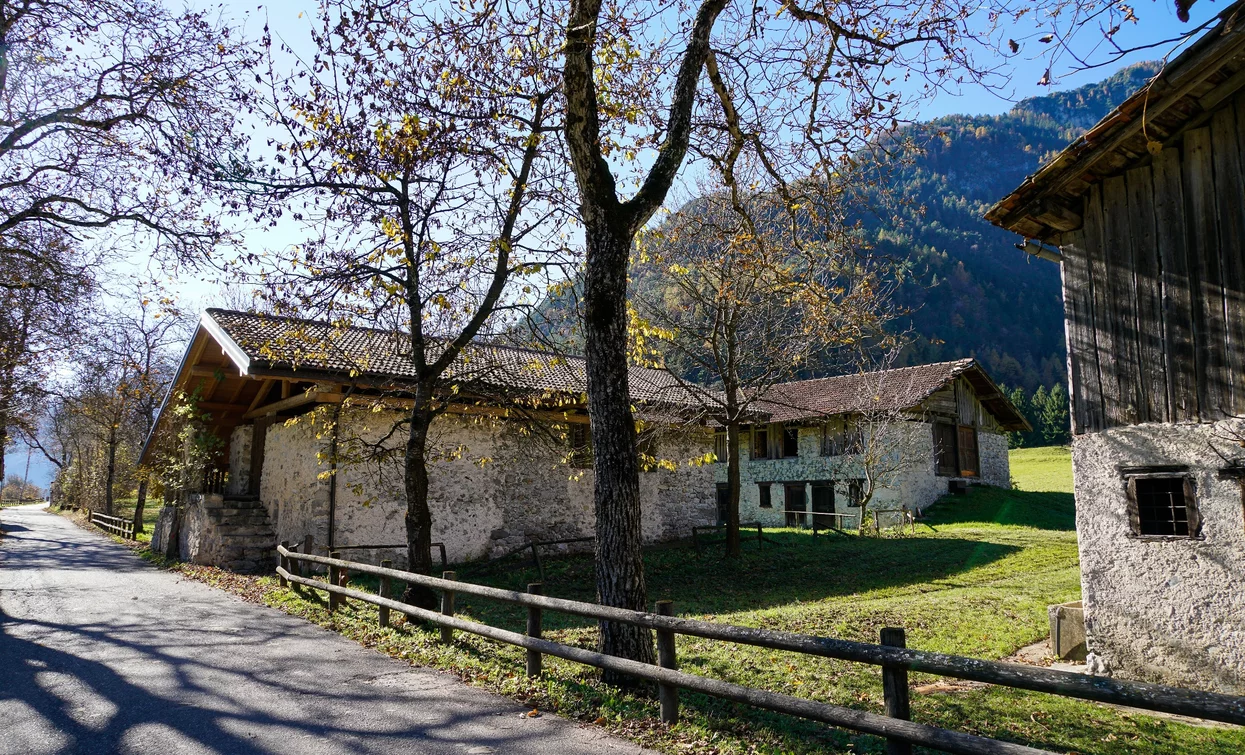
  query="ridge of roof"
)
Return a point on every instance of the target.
[
  {"x": 383, "y": 331},
  {"x": 963, "y": 364}
]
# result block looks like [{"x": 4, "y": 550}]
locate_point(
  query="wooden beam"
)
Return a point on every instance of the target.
[
  {"x": 264, "y": 388},
  {"x": 207, "y": 371},
  {"x": 481, "y": 411},
  {"x": 311, "y": 397}
]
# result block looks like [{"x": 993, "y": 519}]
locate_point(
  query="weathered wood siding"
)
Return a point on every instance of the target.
[
  {"x": 1154, "y": 285},
  {"x": 959, "y": 402}
]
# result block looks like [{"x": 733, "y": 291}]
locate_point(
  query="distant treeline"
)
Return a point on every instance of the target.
[{"x": 1047, "y": 410}]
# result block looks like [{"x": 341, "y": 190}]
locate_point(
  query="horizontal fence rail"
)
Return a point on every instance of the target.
[
  {"x": 119, "y": 526},
  {"x": 892, "y": 657}
]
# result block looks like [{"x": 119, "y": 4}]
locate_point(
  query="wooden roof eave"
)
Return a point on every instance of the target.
[{"x": 1042, "y": 206}]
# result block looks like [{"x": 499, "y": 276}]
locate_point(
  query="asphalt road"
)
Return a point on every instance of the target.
[{"x": 102, "y": 653}]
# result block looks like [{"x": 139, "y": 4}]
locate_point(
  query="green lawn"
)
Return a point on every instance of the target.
[
  {"x": 975, "y": 580},
  {"x": 124, "y": 507},
  {"x": 1042, "y": 469}
]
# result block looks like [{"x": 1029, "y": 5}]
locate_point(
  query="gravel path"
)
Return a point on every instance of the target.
[{"x": 102, "y": 653}]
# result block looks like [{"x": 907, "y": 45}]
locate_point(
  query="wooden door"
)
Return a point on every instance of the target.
[
  {"x": 795, "y": 503},
  {"x": 823, "y": 500}
]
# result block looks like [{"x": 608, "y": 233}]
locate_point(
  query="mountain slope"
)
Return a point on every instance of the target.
[{"x": 975, "y": 294}]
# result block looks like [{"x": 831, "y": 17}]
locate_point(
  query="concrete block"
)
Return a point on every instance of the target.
[{"x": 1067, "y": 631}]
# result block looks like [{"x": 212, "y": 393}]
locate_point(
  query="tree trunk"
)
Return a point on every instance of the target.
[
  {"x": 733, "y": 548},
  {"x": 112, "y": 470},
  {"x": 418, "y": 515},
  {"x": 4, "y": 440},
  {"x": 616, "y": 488},
  {"x": 138, "y": 507}
]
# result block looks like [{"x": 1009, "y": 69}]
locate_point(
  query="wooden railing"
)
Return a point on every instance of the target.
[
  {"x": 401, "y": 547},
  {"x": 895, "y": 659},
  {"x": 119, "y": 526}
]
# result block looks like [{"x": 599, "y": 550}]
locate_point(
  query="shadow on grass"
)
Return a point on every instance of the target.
[
  {"x": 795, "y": 567},
  {"x": 1020, "y": 508}
]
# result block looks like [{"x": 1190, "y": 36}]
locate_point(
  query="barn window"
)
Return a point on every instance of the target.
[
  {"x": 721, "y": 446},
  {"x": 946, "y": 456},
  {"x": 763, "y": 490},
  {"x": 1163, "y": 505},
  {"x": 760, "y": 442},
  {"x": 724, "y": 501},
  {"x": 581, "y": 446},
  {"x": 846, "y": 439},
  {"x": 970, "y": 463},
  {"x": 790, "y": 442}
]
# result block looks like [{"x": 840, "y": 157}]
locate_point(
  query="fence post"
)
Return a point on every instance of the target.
[
  {"x": 760, "y": 537},
  {"x": 283, "y": 562},
  {"x": 447, "y": 608},
  {"x": 296, "y": 568},
  {"x": 667, "y": 694},
  {"x": 334, "y": 575},
  {"x": 540, "y": 566},
  {"x": 386, "y": 591},
  {"x": 533, "y": 630},
  {"x": 895, "y": 689}
]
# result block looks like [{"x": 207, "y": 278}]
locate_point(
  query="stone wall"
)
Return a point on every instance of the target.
[
  {"x": 915, "y": 485},
  {"x": 291, "y": 488},
  {"x": 1170, "y": 610},
  {"x": 491, "y": 488},
  {"x": 239, "y": 460}
]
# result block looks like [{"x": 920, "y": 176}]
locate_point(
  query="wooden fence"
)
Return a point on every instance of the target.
[
  {"x": 891, "y": 655},
  {"x": 119, "y": 526}
]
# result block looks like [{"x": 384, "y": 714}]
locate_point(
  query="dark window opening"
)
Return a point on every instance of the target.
[
  {"x": 581, "y": 446},
  {"x": 720, "y": 446},
  {"x": 1163, "y": 506},
  {"x": 946, "y": 455},
  {"x": 763, "y": 491},
  {"x": 790, "y": 442},
  {"x": 724, "y": 501},
  {"x": 854, "y": 493},
  {"x": 760, "y": 443}
]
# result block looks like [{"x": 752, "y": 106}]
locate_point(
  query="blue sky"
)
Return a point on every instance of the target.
[{"x": 291, "y": 20}]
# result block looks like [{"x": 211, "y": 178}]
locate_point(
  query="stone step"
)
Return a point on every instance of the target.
[
  {"x": 251, "y": 541},
  {"x": 248, "y": 516}
]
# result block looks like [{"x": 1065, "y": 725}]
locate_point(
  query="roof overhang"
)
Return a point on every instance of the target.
[{"x": 1188, "y": 88}]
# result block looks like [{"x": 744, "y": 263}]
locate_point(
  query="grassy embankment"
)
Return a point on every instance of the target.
[{"x": 975, "y": 580}]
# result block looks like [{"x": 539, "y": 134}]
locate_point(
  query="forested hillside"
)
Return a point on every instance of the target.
[{"x": 974, "y": 293}]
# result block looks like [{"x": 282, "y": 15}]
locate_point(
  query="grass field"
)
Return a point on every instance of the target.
[
  {"x": 124, "y": 507},
  {"x": 975, "y": 580}
]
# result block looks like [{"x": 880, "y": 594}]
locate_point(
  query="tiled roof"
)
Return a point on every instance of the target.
[
  {"x": 284, "y": 343},
  {"x": 883, "y": 390},
  {"x": 312, "y": 347}
]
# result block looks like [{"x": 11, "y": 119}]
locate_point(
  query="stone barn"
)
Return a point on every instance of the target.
[
  {"x": 309, "y": 418},
  {"x": 1145, "y": 213}
]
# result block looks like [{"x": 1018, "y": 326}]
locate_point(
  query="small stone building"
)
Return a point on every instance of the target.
[
  {"x": 1145, "y": 213},
  {"x": 311, "y": 415},
  {"x": 939, "y": 424}
]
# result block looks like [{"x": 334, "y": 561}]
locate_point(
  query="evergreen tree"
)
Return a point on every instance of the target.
[
  {"x": 1037, "y": 416},
  {"x": 1016, "y": 438},
  {"x": 1056, "y": 430}
]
